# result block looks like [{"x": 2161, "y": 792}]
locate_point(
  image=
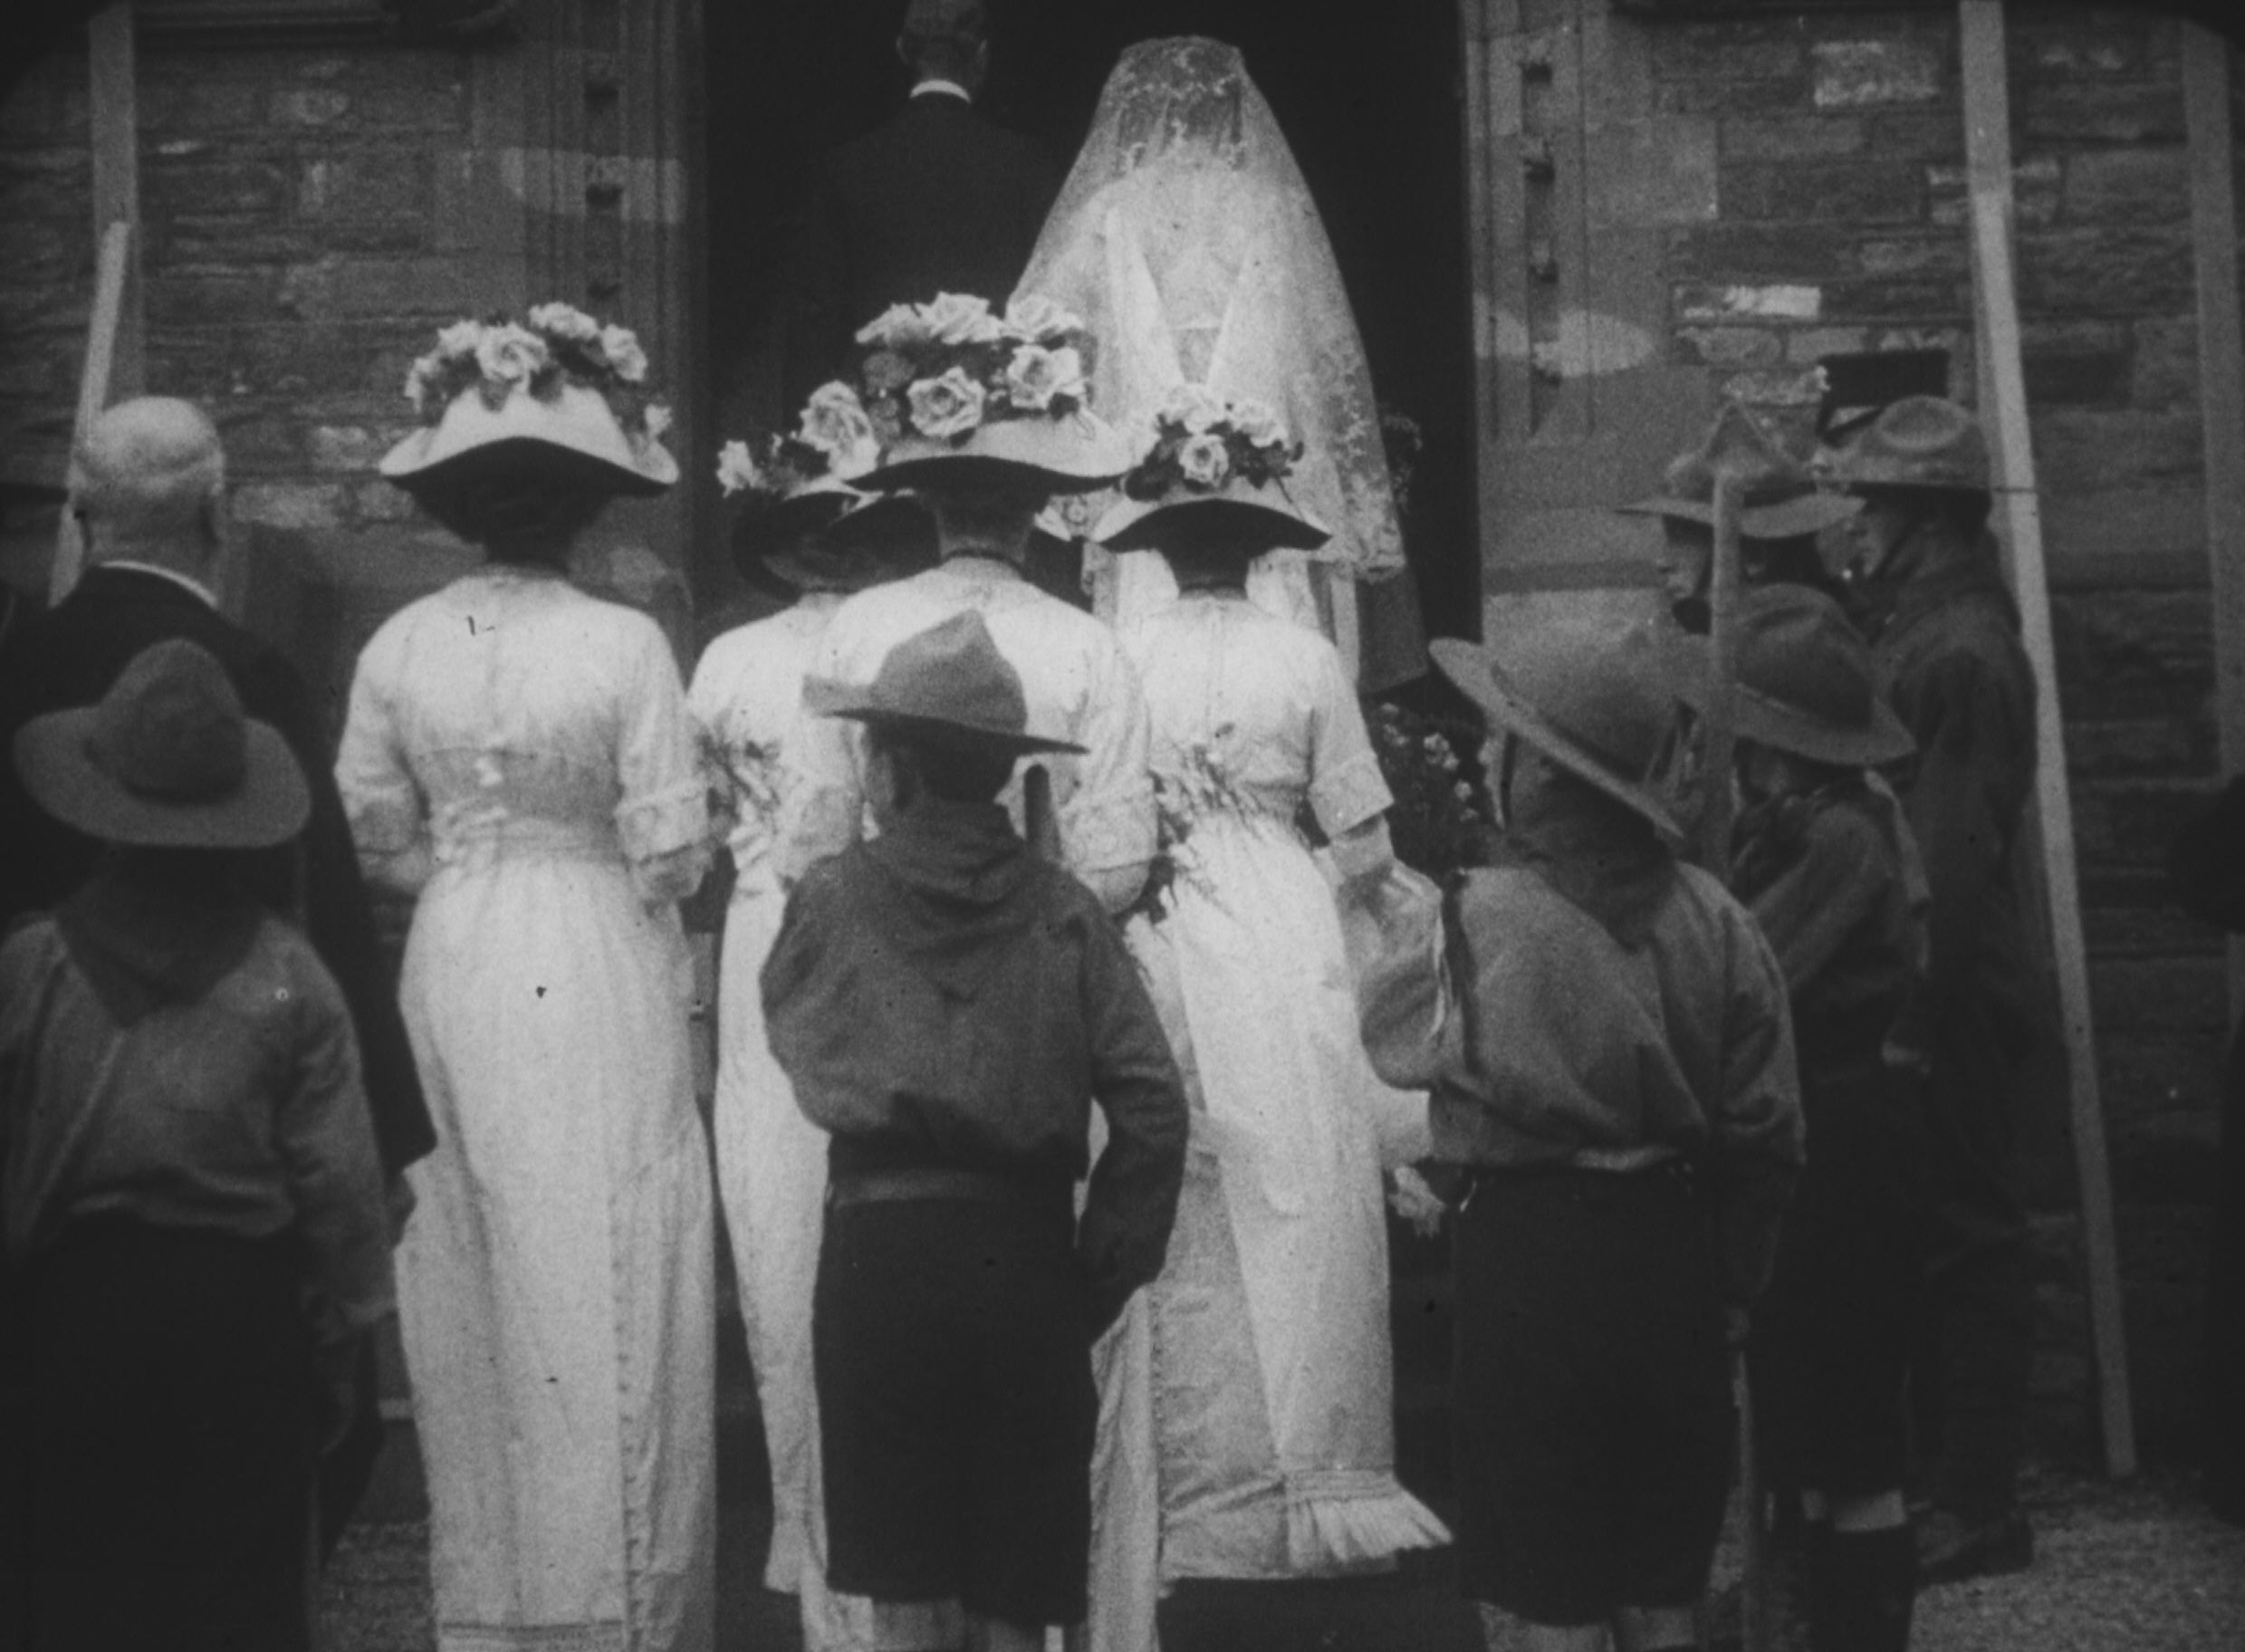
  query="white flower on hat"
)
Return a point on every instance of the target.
[
  {"x": 834, "y": 421},
  {"x": 422, "y": 380},
  {"x": 1035, "y": 317},
  {"x": 511, "y": 356},
  {"x": 946, "y": 406},
  {"x": 1203, "y": 460},
  {"x": 621, "y": 345},
  {"x": 1258, "y": 423},
  {"x": 564, "y": 321},
  {"x": 1194, "y": 407},
  {"x": 736, "y": 468},
  {"x": 899, "y": 325},
  {"x": 460, "y": 339},
  {"x": 962, "y": 318},
  {"x": 1036, "y": 375},
  {"x": 656, "y": 420}
]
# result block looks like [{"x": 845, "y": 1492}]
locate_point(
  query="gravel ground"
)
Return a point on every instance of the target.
[{"x": 2134, "y": 1568}]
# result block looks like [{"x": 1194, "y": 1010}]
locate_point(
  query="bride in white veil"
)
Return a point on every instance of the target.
[{"x": 1187, "y": 241}]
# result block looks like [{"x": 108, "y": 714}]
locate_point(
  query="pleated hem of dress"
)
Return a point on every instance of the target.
[{"x": 1353, "y": 1521}]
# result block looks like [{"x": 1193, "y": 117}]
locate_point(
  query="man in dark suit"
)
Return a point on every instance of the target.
[
  {"x": 148, "y": 487},
  {"x": 935, "y": 200}
]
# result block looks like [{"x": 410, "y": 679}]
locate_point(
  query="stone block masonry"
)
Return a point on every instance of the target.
[
  {"x": 288, "y": 199},
  {"x": 1841, "y": 224}
]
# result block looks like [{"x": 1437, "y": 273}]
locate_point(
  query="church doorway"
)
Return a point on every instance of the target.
[{"x": 1370, "y": 109}]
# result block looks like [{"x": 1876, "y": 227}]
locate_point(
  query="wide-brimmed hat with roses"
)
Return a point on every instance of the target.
[
  {"x": 802, "y": 522},
  {"x": 1222, "y": 466},
  {"x": 959, "y": 395},
  {"x": 558, "y": 384}
]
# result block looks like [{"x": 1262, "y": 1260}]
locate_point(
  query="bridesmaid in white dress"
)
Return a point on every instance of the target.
[
  {"x": 1271, "y": 1365},
  {"x": 821, "y": 538},
  {"x": 519, "y": 755}
]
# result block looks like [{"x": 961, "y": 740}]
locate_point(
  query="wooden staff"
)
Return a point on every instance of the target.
[{"x": 1719, "y": 740}]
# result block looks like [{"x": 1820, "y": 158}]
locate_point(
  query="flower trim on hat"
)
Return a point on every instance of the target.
[
  {"x": 942, "y": 370},
  {"x": 834, "y": 437},
  {"x": 560, "y": 344},
  {"x": 1201, "y": 441}
]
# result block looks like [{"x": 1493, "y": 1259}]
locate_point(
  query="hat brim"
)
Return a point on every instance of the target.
[
  {"x": 829, "y": 699},
  {"x": 573, "y": 420},
  {"x": 765, "y": 533},
  {"x": 1786, "y": 728},
  {"x": 1788, "y": 519},
  {"x": 1477, "y": 675},
  {"x": 1254, "y": 526},
  {"x": 936, "y": 728},
  {"x": 54, "y": 757},
  {"x": 1073, "y": 454}
]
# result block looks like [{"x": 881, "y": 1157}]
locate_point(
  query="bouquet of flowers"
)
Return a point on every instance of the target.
[
  {"x": 560, "y": 344},
  {"x": 1439, "y": 823},
  {"x": 940, "y": 371},
  {"x": 833, "y": 437},
  {"x": 1202, "y": 441}
]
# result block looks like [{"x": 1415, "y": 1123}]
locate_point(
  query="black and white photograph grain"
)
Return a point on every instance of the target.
[{"x": 1122, "y": 826}]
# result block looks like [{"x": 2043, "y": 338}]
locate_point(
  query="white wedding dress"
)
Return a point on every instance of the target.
[
  {"x": 520, "y": 753},
  {"x": 1271, "y": 1369},
  {"x": 1186, "y": 239}
]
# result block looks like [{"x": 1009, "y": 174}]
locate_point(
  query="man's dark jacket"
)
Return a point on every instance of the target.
[
  {"x": 936, "y": 199},
  {"x": 71, "y": 656}
]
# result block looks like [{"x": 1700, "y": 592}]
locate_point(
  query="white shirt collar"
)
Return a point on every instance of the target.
[
  {"x": 942, "y": 88},
  {"x": 186, "y": 581}
]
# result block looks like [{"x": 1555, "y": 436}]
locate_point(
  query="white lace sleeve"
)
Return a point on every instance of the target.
[
  {"x": 1347, "y": 788},
  {"x": 662, "y": 819},
  {"x": 387, "y": 815},
  {"x": 1107, "y": 822}
]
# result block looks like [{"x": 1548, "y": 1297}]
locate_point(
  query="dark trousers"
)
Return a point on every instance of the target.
[
  {"x": 170, "y": 1464},
  {"x": 1590, "y": 1397},
  {"x": 1975, "y": 1351}
]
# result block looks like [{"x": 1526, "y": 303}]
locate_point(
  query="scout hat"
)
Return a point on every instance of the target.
[
  {"x": 1591, "y": 695},
  {"x": 165, "y": 761},
  {"x": 562, "y": 388},
  {"x": 1779, "y": 499},
  {"x": 947, "y": 680},
  {"x": 1920, "y": 441},
  {"x": 1805, "y": 682}
]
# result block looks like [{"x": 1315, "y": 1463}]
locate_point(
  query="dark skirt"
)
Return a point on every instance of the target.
[
  {"x": 956, "y": 1408},
  {"x": 2225, "y": 1308},
  {"x": 1833, "y": 1337},
  {"x": 1592, "y": 1396},
  {"x": 170, "y": 1459}
]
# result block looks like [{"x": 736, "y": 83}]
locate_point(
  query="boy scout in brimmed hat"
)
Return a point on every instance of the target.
[
  {"x": 194, "y": 1208},
  {"x": 1946, "y": 636},
  {"x": 950, "y": 1007},
  {"x": 1783, "y": 514},
  {"x": 1822, "y": 859},
  {"x": 1616, "y": 1078}
]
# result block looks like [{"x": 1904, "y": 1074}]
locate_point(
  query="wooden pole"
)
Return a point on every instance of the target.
[
  {"x": 93, "y": 392},
  {"x": 1720, "y": 736},
  {"x": 113, "y": 365},
  {"x": 2221, "y": 391},
  {"x": 1988, "y": 153}
]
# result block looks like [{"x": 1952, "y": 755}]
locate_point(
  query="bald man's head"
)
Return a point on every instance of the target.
[{"x": 148, "y": 482}]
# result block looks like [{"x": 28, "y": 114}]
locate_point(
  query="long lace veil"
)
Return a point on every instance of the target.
[{"x": 1187, "y": 240}]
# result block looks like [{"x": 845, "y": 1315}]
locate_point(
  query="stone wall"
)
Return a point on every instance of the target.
[{"x": 1839, "y": 225}]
